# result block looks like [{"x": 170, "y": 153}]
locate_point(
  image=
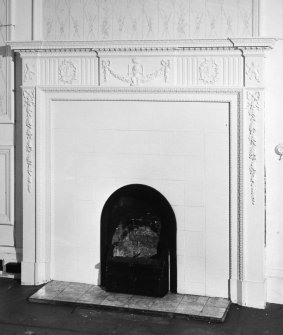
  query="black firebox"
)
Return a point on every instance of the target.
[{"x": 138, "y": 242}]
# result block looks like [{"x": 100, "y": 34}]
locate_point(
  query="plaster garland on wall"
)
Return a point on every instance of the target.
[
  {"x": 29, "y": 106},
  {"x": 135, "y": 75},
  {"x": 253, "y": 106},
  {"x": 147, "y": 20}
]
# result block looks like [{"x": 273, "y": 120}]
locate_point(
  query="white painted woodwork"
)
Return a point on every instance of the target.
[
  {"x": 8, "y": 249},
  {"x": 153, "y": 71},
  {"x": 6, "y": 187}
]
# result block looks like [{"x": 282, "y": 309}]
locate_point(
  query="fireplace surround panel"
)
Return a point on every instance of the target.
[
  {"x": 101, "y": 146},
  {"x": 61, "y": 81}
]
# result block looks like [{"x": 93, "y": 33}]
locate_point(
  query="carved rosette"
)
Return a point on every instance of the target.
[
  {"x": 135, "y": 75},
  {"x": 67, "y": 72},
  {"x": 253, "y": 106},
  {"x": 208, "y": 71},
  {"x": 29, "y": 107}
]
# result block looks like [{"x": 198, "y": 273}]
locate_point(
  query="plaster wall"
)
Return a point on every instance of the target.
[{"x": 272, "y": 24}]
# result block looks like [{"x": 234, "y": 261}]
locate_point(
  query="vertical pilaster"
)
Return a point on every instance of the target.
[
  {"x": 253, "y": 276},
  {"x": 29, "y": 77},
  {"x": 29, "y": 210}
]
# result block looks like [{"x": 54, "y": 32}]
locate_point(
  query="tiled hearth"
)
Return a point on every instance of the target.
[{"x": 180, "y": 305}]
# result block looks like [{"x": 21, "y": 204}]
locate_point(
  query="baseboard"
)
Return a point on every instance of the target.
[
  {"x": 275, "y": 290},
  {"x": 254, "y": 294},
  {"x": 35, "y": 273}
]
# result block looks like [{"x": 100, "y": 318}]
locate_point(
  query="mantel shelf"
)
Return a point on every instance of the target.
[{"x": 138, "y": 45}]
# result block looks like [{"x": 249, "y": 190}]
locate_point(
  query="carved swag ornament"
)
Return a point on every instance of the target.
[{"x": 135, "y": 75}]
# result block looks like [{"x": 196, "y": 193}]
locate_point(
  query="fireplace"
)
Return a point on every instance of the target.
[
  {"x": 204, "y": 100},
  {"x": 138, "y": 242}
]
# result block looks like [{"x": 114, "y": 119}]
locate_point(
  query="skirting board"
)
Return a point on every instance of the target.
[
  {"x": 275, "y": 290},
  {"x": 254, "y": 294},
  {"x": 35, "y": 273}
]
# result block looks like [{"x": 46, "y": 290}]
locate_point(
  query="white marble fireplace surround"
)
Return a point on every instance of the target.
[{"x": 205, "y": 75}]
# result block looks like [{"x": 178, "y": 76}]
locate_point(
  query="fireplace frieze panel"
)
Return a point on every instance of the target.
[
  {"x": 188, "y": 71},
  {"x": 60, "y": 71},
  {"x": 196, "y": 63}
]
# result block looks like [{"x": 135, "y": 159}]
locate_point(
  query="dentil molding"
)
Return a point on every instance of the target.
[{"x": 144, "y": 46}]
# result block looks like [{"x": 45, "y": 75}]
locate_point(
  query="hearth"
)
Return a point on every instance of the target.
[{"x": 138, "y": 242}]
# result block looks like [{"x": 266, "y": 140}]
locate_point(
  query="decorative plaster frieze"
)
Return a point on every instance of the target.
[
  {"x": 88, "y": 19},
  {"x": 67, "y": 71},
  {"x": 208, "y": 71},
  {"x": 135, "y": 75},
  {"x": 253, "y": 107},
  {"x": 29, "y": 108}
]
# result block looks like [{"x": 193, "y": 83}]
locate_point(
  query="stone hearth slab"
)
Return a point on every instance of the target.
[{"x": 178, "y": 305}]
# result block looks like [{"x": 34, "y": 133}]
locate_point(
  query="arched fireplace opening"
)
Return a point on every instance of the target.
[{"x": 138, "y": 242}]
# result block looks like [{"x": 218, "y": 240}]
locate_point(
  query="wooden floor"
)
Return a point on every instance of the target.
[
  {"x": 180, "y": 305},
  {"x": 18, "y": 316}
]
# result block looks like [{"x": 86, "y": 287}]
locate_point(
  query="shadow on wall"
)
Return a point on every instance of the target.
[{"x": 18, "y": 229}]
